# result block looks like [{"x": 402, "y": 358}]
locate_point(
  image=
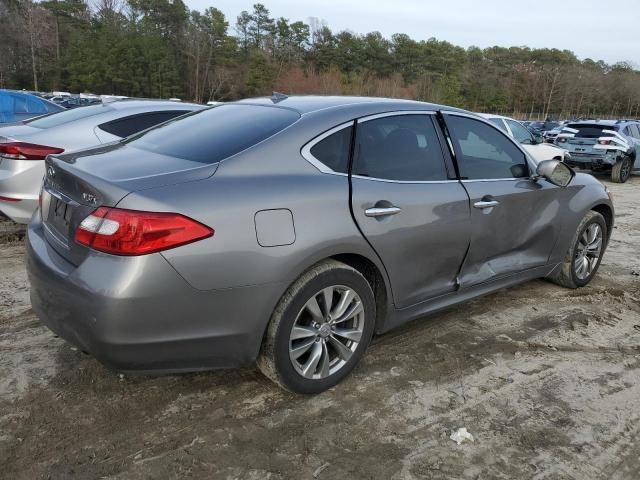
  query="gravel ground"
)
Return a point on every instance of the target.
[{"x": 547, "y": 380}]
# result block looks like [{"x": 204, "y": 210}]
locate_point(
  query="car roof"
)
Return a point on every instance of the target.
[{"x": 304, "y": 104}]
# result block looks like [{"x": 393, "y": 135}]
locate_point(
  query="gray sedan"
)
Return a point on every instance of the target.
[
  {"x": 287, "y": 231},
  {"x": 24, "y": 146}
]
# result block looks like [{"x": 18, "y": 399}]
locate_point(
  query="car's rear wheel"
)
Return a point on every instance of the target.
[
  {"x": 621, "y": 171},
  {"x": 583, "y": 258},
  {"x": 320, "y": 329}
]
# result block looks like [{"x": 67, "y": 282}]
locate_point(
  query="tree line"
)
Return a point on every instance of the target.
[{"x": 160, "y": 48}]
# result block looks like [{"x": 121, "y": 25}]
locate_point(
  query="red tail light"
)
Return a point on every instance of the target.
[
  {"x": 130, "y": 232},
  {"x": 604, "y": 142},
  {"x": 27, "y": 151}
]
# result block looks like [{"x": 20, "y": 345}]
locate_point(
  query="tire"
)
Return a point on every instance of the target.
[
  {"x": 565, "y": 274},
  {"x": 621, "y": 171},
  {"x": 276, "y": 360}
]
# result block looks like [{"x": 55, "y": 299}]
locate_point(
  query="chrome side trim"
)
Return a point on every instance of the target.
[
  {"x": 375, "y": 179},
  {"x": 396, "y": 113},
  {"x": 512, "y": 179}
]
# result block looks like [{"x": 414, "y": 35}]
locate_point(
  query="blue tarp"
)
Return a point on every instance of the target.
[{"x": 17, "y": 106}]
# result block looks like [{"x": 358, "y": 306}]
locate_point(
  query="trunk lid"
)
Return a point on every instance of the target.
[
  {"x": 75, "y": 184},
  {"x": 16, "y": 132}
]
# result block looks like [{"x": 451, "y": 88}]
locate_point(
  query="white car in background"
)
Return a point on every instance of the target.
[{"x": 538, "y": 150}]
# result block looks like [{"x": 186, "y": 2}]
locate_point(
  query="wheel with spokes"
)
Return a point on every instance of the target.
[
  {"x": 584, "y": 256},
  {"x": 320, "y": 329}
]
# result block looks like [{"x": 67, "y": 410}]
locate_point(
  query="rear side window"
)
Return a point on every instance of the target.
[
  {"x": 591, "y": 130},
  {"x": 68, "y": 116},
  {"x": 635, "y": 130},
  {"x": 123, "y": 127},
  {"x": 333, "y": 151},
  {"x": 214, "y": 134},
  {"x": 403, "y": 148},
  {"x": 483, "y": 152}
]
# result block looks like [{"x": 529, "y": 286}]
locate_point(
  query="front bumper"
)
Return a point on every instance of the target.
[{"x": 137, "y": 314}]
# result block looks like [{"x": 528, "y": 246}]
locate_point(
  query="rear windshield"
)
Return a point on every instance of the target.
[
  {"x": 591, "y": 131},
  {"x": 214, "y": 134},
  {"x": 67, "y": 116}
]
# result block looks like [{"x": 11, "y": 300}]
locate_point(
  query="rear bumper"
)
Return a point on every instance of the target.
[
  {"x": 20, "y": 180},
  {"x": 137, "y": 314}
]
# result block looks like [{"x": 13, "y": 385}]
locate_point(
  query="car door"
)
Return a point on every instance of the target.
[
  {"x": 514, "y": 221},
  {"x": 410, "y": 208}
]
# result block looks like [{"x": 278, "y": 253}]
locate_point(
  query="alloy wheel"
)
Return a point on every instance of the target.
[
  {"x": 588, "y": 251},
  {"x": 326, "y": 332}
]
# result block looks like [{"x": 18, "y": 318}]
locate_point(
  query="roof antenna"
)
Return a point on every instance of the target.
[{"x": 277, "y": 97}]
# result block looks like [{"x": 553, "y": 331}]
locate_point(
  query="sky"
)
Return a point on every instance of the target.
[{"x": 593, "y": 29}]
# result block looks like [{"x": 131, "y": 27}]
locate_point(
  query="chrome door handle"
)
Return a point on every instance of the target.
[
  {"x": 485, "y": 204},
  {"x": 381, "y": 211}
]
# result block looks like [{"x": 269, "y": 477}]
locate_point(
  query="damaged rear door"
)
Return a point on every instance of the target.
[
  {"x": 410, "y": 208},
  {"x": 514, "y": 221}
]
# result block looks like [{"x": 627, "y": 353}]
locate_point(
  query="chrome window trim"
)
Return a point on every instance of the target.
[
  {"x": 385, "y": 180},
  {"x": 530, "y": 162},
  {"x": 396, "y": 113},
  {"x": 306, "y": 150}
]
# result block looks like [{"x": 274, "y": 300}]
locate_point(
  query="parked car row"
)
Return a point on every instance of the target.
[
  {"x": 285, "y": 231},
  {"x": 24, "y": 146}
]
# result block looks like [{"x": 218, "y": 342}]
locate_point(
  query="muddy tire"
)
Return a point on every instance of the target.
[
  {"x": 621, "y": 171},
  {"x": 319, "y": 330},
  {"x": 585, "y": 254}
]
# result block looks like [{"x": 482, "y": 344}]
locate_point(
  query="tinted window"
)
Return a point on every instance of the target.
[
  {"x": 215, "y": 133},
  {"x": 498, "y": 123},
  {"x": 20, "y": 104},
  {"x": 591, "y": 130},
  {"x": 520, "y": 132},
  {"x": 68, "y": 116},
  {"x": 403, "y": 147},
  {"x": 123, "y": 127},
  {"x": 483, "y": 152},
  {"x": 333, "y": 151}
]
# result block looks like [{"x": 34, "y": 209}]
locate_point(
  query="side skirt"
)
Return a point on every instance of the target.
[{"x": 398, "y": 317}]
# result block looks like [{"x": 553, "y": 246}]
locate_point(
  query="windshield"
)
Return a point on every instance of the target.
[
  {"x": 214, "y": 134},
  {"x": 56, "y": 119}
]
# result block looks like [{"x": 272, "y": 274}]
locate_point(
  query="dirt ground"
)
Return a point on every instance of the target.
[{"x": 547, "y": 380}]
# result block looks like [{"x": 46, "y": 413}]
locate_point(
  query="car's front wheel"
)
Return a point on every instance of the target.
[
  {"x": 583, "y": 258},
  {"x": 320, "y": 329}
]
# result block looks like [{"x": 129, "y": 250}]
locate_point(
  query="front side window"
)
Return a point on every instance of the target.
[
  {"x": 520, "y": 133},
  {"x": 483, "y": 152},
  {"x": 333, "y": 151},
  {"x": 402, "y": 147}
]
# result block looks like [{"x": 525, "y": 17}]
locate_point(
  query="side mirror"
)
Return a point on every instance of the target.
[
  {"x": 534, "y": 141},
  {"x": 555, "y": 172}
]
